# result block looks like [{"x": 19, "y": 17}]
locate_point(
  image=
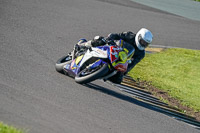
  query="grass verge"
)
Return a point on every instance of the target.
[
  {"x": 9, "y": 129},
  {"x": 175, "y": 71}
]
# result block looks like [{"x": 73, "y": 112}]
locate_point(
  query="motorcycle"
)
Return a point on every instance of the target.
[{"x": 89, "y": 64}]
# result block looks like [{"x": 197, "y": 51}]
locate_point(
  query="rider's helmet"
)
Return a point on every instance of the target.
[{"x": 143, "y": 38}]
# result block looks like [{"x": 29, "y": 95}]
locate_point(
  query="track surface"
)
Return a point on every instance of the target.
[
  {"x": 35, "y": 33},
  {"x": 186, "y": 8}
]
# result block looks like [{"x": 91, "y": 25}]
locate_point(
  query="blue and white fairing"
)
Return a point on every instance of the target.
[{"x": 101, "y": 52}]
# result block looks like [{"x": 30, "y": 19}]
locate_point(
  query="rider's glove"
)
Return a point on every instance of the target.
[
  {"x": 98, "y": 41},
  {"x": 110, "y": 41}
]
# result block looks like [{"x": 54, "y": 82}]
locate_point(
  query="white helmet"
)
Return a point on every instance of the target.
[{"x": 143, "y": 38}]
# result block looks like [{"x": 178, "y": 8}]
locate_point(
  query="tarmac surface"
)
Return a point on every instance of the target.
[
  {"x": 186, "y": 8},
  {"x": 35, "y": 33}
]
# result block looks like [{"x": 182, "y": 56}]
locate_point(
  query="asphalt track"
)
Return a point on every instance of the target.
[
  {"x": 186, "y": 8},
  {"x": 35, "y": 33}
]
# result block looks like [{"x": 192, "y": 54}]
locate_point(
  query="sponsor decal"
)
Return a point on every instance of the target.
[
  {"x": 101, "y": 52},
  {"x": 114, "y": 52}
]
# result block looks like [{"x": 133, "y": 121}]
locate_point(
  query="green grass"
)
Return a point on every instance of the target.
[
  {"x": 197, "y": 0},
  {"x": 176, "y": 71},
  {"x": 9, "y": 129}
]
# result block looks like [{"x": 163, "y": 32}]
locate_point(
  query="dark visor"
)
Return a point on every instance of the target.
[{"x": 142, "y": 42}]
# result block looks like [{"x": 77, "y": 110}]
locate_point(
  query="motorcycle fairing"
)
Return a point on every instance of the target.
[
  {"x": 78, "y": 59},
  {"x": 119, "y": 43},
  {"x": 121, "y": 64},
  {"x": 116, "y": 55},
  {"x": 94, "y": 52},
  {"x": 97, "y": 63},
  {"x": 74, "y": 67},
  {"x": 71, "y": 68},
  {"x": 114, "y": 51},
  {"x": 68, "y": 69}
]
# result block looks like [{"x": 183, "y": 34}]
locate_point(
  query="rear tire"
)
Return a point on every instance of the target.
[
  {"x": 61, "y": 63},
  {"x": 81, "y": 79}
]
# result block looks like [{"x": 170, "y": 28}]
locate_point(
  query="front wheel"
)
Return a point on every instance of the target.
[
  {"x": 62, "y": 62},
  {"x": 87, "y": 75}
]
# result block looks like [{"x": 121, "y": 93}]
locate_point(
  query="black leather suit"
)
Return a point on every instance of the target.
[{"x": 129, "y": 37}]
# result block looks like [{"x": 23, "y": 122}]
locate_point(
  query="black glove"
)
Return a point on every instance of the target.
[
  {"x": 98, "y": 41},
  {"x": 110, "y": 42}
]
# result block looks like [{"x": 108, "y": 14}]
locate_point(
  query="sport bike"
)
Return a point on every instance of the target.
[{"x": 89, "y": 64}]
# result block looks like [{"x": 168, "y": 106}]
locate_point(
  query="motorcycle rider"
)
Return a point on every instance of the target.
[{"x": 138, "y": 41}]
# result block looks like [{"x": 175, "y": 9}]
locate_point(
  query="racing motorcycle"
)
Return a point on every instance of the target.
[{"x": 89, "y": 64}]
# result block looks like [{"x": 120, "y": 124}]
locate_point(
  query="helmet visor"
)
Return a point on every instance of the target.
[{"x": 142, "y": 42}]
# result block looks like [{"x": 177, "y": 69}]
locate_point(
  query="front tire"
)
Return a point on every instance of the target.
[
  {"x": 62, "y": 62},
  {"x": 83, "y": 79}
]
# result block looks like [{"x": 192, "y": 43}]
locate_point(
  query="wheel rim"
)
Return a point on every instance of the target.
[{"x": 87, "y": 71}]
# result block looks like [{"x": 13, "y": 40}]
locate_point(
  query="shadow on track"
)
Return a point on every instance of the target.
[
  {"x": 132, "y": 100},
  {"x": 120, "y": 96}
]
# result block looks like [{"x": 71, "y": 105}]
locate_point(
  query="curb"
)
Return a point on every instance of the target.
[{"x": 130, "y": 87}]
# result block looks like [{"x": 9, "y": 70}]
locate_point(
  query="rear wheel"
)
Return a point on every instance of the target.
[
  {"x": 88, "y": 75},
  {"x": 62, "y": 62}
]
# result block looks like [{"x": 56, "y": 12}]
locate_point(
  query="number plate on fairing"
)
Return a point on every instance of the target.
[{"x": 114, "y": 52}]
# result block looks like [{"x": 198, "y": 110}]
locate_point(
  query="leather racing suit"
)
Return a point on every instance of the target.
[{"x": 129, "y": 38}]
